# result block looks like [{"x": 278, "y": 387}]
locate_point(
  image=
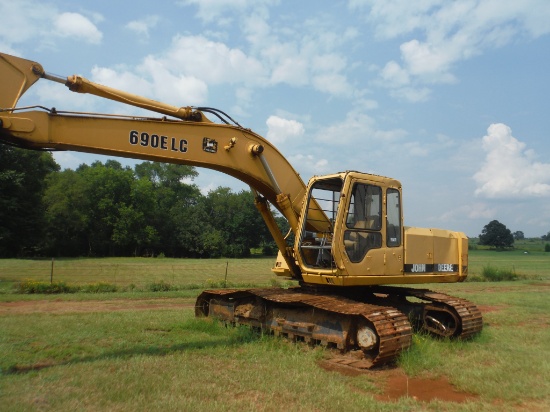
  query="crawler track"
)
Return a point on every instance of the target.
[
  {"x": 367, "y": 335},
  {"x": 469, "y": 319},
  {"x": 370, "y": 326},
  {"x": 437, "y": 313}
]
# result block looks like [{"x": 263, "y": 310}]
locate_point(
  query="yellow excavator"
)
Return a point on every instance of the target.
[{"x": 350, "y": 243}]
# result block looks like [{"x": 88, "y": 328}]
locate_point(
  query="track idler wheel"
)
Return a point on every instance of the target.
[
  {"x": 202, "y": 307},
  {"x": 366, "y": 337},
  {"x": 440, "y": 321}
]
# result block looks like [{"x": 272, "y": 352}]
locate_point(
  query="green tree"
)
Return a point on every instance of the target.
[
  {"x": 238, "y": 220},
  {"x": 174, "y": 199},
  {"x": 135, "y": 228},
  {"x": 66, "y": 202},
  {"x": 518, "y": 235},
  {"x": 22, "y": 184},
  {"x": 86, "y": 206},
  {"x": 108, "y": 191},
  {"x": 497, "y": 235},
  {"x": 165, "y": 174}
]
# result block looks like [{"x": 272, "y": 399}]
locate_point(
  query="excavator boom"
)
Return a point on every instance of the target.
[{"x": 188, "y": 137}]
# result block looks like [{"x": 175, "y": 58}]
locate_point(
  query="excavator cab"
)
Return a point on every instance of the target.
[{"x": 350, "y": 229}]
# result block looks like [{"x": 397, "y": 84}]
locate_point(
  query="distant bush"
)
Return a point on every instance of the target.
[
  {"x": 32, "y": 286},
  {"x": 100, "y": 287},
  {"x": 493, "y": 274},
  {"x": 36, "y": 287},
  {"x": 161, "y": 286},
  {"x": 269, "y": 250},
  {"x": 547, "y": 247}
]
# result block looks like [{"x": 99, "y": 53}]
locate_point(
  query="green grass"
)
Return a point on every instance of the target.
[
  {"x": 165, "y": 359},
  {"x": 204, "y": 273},
  {"x": 510, "y": 359},
  {"x": 161, "y": 360},
  {"x": 141, "y": 273},
  {"x": 534, "y": 265}
]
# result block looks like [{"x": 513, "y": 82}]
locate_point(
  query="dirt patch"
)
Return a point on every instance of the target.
[
  {"x": 58, "y": 306},
  {"x": 488, "y": 309},
  {"x": 394, "y": 384},
  {"x": 398, "y": 385},
  {"x": 342, "y": 369}
]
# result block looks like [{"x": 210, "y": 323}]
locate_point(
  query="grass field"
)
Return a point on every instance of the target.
[
  {"x": 137, "y": 351},
  {"x": 200, "y": 273}
]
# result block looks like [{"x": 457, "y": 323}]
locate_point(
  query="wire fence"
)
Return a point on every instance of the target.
[{"x": 140, "y": 272}]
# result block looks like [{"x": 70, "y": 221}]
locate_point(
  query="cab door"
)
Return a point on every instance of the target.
[{"x": 370, "y": 235}]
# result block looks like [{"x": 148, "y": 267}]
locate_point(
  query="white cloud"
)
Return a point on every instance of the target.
[
  {"x": 155, "y": 81},
  {"x": 332, "y": 83},
  {"x": 42, "y": 23},
  {"x": 280, "y": 129},
  {"x": 394, "y": 74},
  {"x": 510, "y": 170},
  {"x": 169, "y": 86},
  {"x": 217, "y": 10},
  {"x": 56, "y": 95},
  {"x": 212, "y": 62},
  {"x": 215, "y": 63},
  {"x": 431, "y": 61},
  {"x": 142, "y": 27},
  {"x": 312, "y": 165},
  {"x": 23, "y": 20},
  {"x": 442, "y": 33},
  {"x": 411, "y": 94},
  {"x": 67, "y": 160},
  {"x": 122, "y": 79},
  {"x": 474, "y": 211},
  {"x": 358, "y": 128},
  {"x": 76, "y": 25}
]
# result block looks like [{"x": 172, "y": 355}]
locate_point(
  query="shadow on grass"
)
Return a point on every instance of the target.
[{"x": 237, "y": 337}]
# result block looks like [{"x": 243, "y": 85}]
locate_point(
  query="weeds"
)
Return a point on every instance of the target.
[
  {"x": 37, "y": 287},
  {"x": 100, "y": 287},
  {"x": 31, "y": 286},
  {"x": 493, "y": 274},
  {"x": 161, "y": 286}
]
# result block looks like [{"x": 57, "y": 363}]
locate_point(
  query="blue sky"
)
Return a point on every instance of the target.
[{"x": 449, "y": 97}]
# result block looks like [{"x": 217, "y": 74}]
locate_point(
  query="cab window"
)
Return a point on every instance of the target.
[
  {"x": 363, "y": 221},
  {"x": 393, "y": 218}
]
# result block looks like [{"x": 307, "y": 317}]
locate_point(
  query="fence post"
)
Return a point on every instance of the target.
[
  {"x": 225, "y": 280},
  {"x": 51, "y": 273}
]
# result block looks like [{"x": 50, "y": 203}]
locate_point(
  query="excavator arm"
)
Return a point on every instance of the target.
[{"x": 186, "y": 137}]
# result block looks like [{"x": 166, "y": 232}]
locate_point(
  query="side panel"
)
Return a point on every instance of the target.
[
  {"x": 419, "y": 250},
  {"x": 435, "y": 251},
  {"x": 445, "y": 251}
]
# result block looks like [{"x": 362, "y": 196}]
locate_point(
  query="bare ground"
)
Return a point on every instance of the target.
[
  {"x": 60, "y": 306},
  {"x": 394, "y": 384}
]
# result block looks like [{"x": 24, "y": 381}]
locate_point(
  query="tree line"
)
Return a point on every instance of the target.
[{"x": 105, "y": 209}]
